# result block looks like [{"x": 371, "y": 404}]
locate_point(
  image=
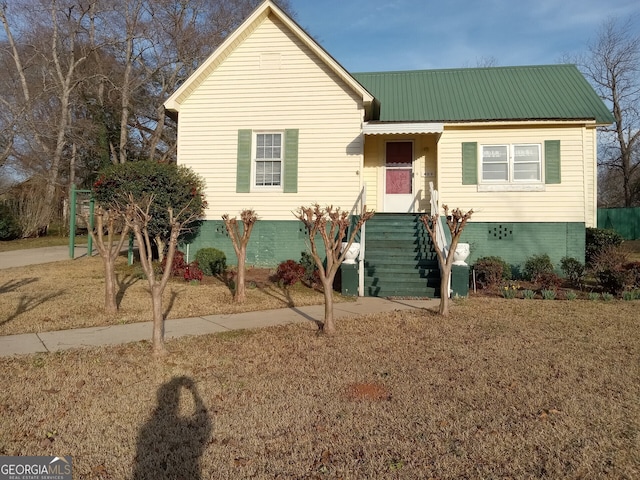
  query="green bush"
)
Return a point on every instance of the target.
[
  {"x": 597, "y": 239},
  {"x": 573, "y": 270},
  {"x": 311, "y": 273},
  {"x": 491, "y": 271},
  {"x": 537, "y": 266},
  {"x": 211, "y": 261},
  {"x": 9, "y": 226}
]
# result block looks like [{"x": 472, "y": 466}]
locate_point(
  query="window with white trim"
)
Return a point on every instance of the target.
[
  {"x": 511, "y": 163},
  {"x": 268, "y": 154}
]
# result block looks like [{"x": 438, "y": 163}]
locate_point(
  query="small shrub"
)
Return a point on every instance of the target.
[
  {"x": 192, "y": 272},
  {"x": 311, "y": 273},
  {"x": 573, "y": 270},
  {"x": 537, "y": 265},
  {"x": 593, "y": 296},
  {"x": 571, "y": 295},
  {"x": 633, "y": 274},
  {"x": 548, "y": 281},
  {"x": 178, "y": 265},
  {"x": 491, "y": 271},
  {"x": 608, "y": 269},
  {"x": 548, "y": 294},
  {"x": 528, "y": 294},
  {"x": 9, "y": 226},
  {"x": 211, "y": 261},
  {"x": 607, "y": 297},
  {"x": 631, "y": 295},
  {"x": 597, "y": 239},
  {"x": 290, "y": 272}
]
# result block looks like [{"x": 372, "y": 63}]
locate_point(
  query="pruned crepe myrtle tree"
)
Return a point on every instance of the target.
[
  {"x": 456, "y": 221},
  {"x": 240, "y": 242},
  {"x": 109, "y": 248},
  {"x": 152, "y": 198},
  {"x": 331, "y": 224}
]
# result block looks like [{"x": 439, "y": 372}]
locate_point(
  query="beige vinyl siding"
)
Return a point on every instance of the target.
[
  {"x": 570, "y": 201},
  {"x": 292, "y": 89},
  {"x": 591, "y": 177}
]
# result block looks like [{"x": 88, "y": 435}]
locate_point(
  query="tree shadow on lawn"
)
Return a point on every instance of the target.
[
  {"x": 124, "y": 284},
  {"x": 28, "y": 303},
  {"x": 12, "y": 285},
  {"x": 171, "y": 443}
]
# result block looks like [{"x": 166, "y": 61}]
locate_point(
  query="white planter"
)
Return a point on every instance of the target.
[
  {"x": 461, "y": 254},
  {"x": 352, "y": 254}
]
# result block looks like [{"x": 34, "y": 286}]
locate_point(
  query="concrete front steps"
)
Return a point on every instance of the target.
[{"x": 399, "y": 258}]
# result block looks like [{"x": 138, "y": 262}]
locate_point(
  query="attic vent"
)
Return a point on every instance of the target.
[
  {"x": 503, "y": 231},
  {"x": 270, "y": 61}
]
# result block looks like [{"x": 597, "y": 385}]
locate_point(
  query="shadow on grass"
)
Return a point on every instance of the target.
[
  {"x": 171, "y": 303},
  {"x": 12, "y": 285},
  {"x": 126, "y": 282},
  {"x": 171, "y": 443},
  {"x": 28, "y": 303}
]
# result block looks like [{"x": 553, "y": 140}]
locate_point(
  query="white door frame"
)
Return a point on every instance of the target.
[{"x": 402, "y": 203}]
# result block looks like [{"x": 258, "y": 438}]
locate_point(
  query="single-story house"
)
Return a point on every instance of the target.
[{"x": 273, "y": 122}]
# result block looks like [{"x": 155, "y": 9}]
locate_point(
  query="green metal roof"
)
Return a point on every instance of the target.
[{"x": 548, "y": 92}]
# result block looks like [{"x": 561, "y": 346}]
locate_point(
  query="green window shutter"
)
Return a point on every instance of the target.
[
  {"x": 552, "y": 161},
  {"x": 290, "y": 180},
  {"x": 470, "y": 163},
  {"x": 243, "y": 172}
]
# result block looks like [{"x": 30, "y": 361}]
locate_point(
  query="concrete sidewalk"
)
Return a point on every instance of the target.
[
  {"x": 120, "y": 334},
  {"x": 134, "y": 332},
  {"x": 20, "y": 258}
]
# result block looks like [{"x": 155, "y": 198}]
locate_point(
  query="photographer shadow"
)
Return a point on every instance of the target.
[{"x": 170, "y": 445}]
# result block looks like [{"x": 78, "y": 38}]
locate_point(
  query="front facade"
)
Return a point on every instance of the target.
[{"x": 273, "y": 122}]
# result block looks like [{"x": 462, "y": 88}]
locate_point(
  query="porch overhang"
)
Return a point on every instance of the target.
[{"x": 401, "y": 128}]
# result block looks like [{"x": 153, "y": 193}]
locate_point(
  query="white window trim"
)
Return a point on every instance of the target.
[
  {"x": 254, "y": 160},
  {"x": 511, "y": 184}
]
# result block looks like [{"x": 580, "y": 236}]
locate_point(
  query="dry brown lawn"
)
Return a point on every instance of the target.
[
  {"x": 70, "y": 294},
  {"x": 499, "y": 389}
]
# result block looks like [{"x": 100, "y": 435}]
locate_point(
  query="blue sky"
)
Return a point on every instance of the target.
[{"x": 373, "y": 35}]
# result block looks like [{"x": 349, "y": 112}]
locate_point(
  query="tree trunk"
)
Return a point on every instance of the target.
[
  {"x": 158, "y": 321},
  {"x": 110, "y": 300},
  {"x": 240, "y": 294},
  {"x": 328, "y": 326},
  {"x": 445, "y": 273}
]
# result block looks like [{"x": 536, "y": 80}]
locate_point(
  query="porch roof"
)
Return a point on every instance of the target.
[
  {"x": 380, "y": 128},
  {"x": 546, "y": 92}
]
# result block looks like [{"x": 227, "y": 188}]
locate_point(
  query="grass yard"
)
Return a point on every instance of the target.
[
  {"x": 70, "y": 294},
  {"x": 500, "y": 389}
]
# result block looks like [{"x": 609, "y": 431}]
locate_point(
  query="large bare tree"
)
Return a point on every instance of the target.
[
  {"x": 58, "y": 37},
  {"x": 92, "y": 77},
  {"x": 613, "y": 67}
]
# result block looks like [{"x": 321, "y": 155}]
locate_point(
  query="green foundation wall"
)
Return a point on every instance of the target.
[
  {"x": 271, "y": 242},
  {"x": 515, "y": 242},
  {"x": 274, "y": 241}
]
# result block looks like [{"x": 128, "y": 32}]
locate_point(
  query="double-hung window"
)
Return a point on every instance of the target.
[
  {"x": 512, "y": 163},
  {"x": 268, "y": 159}
]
